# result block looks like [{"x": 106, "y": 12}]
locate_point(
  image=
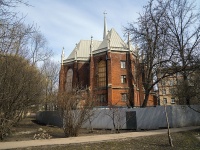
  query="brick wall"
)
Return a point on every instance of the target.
[
  {"x": 83, "y": 73},
  {"x": 86, "y": 73}
]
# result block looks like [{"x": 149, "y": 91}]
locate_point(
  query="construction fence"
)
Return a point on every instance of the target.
[{"x": 131, "y": 118}]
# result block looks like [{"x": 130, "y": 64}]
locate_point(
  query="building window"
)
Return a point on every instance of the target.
[
  {"x": 171, "y": 82},
  {"x": 69, "y": 77},
  {"x": 101, "y": 74},
  {"x": 124, "y": 96},
  {"x": 163, "y": 91},
  {"x": 178, "y": 82},
  {"x": 165, "y": 100},
  {"x": 102, "y": 98},
  {"x": 163, "y": 82},
  {"x": 172, "y": 101},
  {"x": 172, "y": 91},
  {"x": 123, "y": 64},
  {"x": 123, "y": 78}
]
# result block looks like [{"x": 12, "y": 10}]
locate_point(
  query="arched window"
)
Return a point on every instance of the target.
[
  {"x": 101, "y": 74},
  {"x": 69, "y": 77}
]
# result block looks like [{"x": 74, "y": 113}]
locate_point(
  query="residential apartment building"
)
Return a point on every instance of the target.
[
  {"x": 171, "y": 87},
  {"x": 166, "y": 90}
]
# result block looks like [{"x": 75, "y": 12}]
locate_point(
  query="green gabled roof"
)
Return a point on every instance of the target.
[
  {"x": 115, "y": 41},
  {"x": 83, "y": 50},
  {"x": 83, "y": 47}
]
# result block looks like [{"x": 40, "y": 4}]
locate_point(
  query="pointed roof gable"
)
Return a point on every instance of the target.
[
  {"x": 83, "y": 50},
  {"x": 112, "y": 42},
  {"x": 115, "y": 41}
]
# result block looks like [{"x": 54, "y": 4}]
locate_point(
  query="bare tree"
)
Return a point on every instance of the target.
[
  {"x": 11, "y": 3},
  {"x": 167, "y": 120},
  {"x": 190, "y": 89},
  {"x": 38, "y": 50},
  {"x": 92, "y": 116},
  {"x": 18, "y": 38},
  {"x": 168, "y": 36},
  {"x": 21, "y": 89},
  {"x": 151, "y": 35},
  {"x": 50, "y": 71},
  {"x": 5, "y": 12},
  {"x": 183, "y": 21},
  {"x": 22, "y": 48},
  {"x": 24, "y": 40},
  {"x": 117, "y": 115},
  {"x": 14, "y": 37},
  {"x": 12, "y": 30},
  {"x": 75, "y": 107}
]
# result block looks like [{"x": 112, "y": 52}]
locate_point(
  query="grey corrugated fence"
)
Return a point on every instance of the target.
[{"x": 134, "y": 118}]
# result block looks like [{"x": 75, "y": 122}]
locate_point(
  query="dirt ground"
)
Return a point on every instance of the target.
[
  {"x": 182, "y": 140},
  {"x": 28, "y": 127}
]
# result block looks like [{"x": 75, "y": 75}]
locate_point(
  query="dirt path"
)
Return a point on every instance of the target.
[{"x": 86, "y": 139}]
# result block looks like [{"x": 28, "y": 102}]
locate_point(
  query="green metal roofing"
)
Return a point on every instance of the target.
[
  {"x": 83, "y": 50},
  {"x": 112, "y": 41}
]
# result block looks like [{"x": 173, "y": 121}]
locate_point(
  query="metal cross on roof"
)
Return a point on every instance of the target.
[{"x": 104, "y": 13}]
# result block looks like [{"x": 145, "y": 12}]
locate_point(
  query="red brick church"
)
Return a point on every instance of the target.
[{"x": 107, "y": 68}]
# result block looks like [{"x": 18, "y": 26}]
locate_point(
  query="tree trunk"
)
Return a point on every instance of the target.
[
  {"x": 168, "y": 130},
  {"x": 144, "y": 104},
  {"x": 186, "y": 84}
]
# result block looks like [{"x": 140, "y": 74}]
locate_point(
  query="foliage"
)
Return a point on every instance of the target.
[
  {"x": 23, "y": 49},
  {"x": 21, "y": 88}
]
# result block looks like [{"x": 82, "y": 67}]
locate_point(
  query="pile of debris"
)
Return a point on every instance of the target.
[{"x": 42, "y": 135}]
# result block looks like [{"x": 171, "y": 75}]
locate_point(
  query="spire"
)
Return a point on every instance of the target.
[
  {"x": 105, "y": 26},
  {"x": 129, "y": 44},
  {"x": 91, "y": 45},
  {"x": 108, "y": 41},
  {"x": 62, "y": 56},
  {"x": 76, "y": 52},
  {"x": 136, "y": 49}
]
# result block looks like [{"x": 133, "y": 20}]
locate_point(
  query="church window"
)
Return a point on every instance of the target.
[
  {"x": 102, "y": 98},
  {"x": 123, "y": 64},
  {"x": 69, "y": 77},
  {"x": 123, "y": 78},
  {"x": 102, "y": 74}
]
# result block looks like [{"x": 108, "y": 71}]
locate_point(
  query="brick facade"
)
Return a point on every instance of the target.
[
  {"x": 109, "y": 72},
  {"x": 86, "y": 75}
]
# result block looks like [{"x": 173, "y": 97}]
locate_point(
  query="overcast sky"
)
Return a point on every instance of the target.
[{"x": 65, "y": 22}]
